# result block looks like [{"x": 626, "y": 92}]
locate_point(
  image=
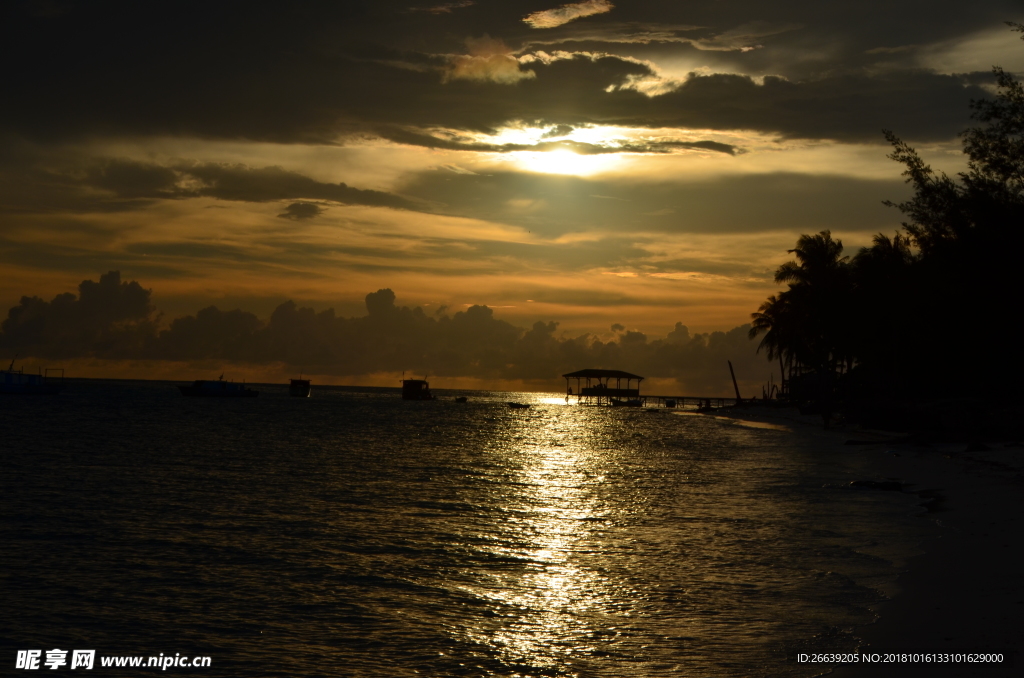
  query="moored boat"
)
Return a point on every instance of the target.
[
  {"x": 416, "y": 389},
  {"x": 218, "y": 389},
  {"x": 299, "y": 388},
  {"x": 16, "y": 382}
]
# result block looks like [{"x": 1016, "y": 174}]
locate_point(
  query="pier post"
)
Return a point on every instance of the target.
[{"x": 737, "y": 388}]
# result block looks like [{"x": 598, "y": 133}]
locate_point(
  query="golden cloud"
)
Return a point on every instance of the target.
[
  {"x": 489, "y": 60},
  {"x": 550, "y": 18}
]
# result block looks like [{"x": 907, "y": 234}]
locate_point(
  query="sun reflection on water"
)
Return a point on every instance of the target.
[
  {"x": 552, "y": 400},
  {"x": 610, "y": 543},
  {"x": 551, "y": 512}
]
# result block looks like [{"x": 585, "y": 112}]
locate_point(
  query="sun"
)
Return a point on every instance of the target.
[{"x": 566, "y": 162}]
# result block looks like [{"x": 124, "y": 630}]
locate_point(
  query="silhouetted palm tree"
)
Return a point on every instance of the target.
[
  {"x": 772, "y": 321},
  {"x": 819, "y": 257},
  {"x": 893, "y": 312}
]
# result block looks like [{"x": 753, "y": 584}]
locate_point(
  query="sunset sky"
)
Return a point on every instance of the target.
[{"x": 640, "y": 163}]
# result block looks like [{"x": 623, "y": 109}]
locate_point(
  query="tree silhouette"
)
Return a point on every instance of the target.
[
  {"x": 806, "y": 324},
  {"x": 772, "y": 320},
  {"x": 892, "y": 313},
  {"x": 969, "y": 234}
]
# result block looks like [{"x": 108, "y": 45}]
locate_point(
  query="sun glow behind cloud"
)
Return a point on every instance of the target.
[
  {"x": 578, "y": 270},
  {"x": 594, "y": 149},
  {"x": 566, "y": 162},
  {"x": 444, "y": 163}
]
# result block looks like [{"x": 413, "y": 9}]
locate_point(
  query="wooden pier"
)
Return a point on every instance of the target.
[
  {"x": 594, "y": 387},
  {"x": 615, "y": 388},
  {"x": 689, "y": 402}
]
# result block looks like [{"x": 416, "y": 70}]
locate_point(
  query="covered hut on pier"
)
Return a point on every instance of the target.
[{"x": 603, "y": 387}]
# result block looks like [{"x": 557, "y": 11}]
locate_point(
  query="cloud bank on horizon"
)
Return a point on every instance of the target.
[
  {"x": 590, "y": 162},
  {"x": 115, "y": 320}
]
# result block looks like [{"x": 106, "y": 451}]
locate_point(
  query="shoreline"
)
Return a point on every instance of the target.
[{"x": 964, "y": 591}]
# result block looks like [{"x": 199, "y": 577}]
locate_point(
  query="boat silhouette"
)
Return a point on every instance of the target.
[
  {"x": 299, "y": 388},
  {"x": 416, "y": 389},
  {"x": 16, "y": 382}
]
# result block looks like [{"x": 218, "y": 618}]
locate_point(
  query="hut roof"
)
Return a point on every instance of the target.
[{"x": 601, "y": 374}]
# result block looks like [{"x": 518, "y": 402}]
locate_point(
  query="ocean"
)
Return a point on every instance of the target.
[{"x": 356, "y": 534}]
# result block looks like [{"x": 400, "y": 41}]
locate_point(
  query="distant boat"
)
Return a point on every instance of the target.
[
  {"x": 518, "y": 406},
  {"x": 218, "y": 389},
  {"x": 16, "y": 382},
  {"x": 299, "y": 388},
  {"x": 416, "y": 389},
  {"x": 635, "y": 402},
  {"x": 670, "y": 403},
  {"x": 461, "y": 399}
]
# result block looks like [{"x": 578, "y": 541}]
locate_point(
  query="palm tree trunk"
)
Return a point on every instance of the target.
[{"x": 782, "y": 374}]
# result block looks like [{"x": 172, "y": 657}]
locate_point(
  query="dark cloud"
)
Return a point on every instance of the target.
[
  {"x": 114, "y": 319},
  {"x": 850, "y": 107},
  {"x": 109, "y": 318},
  {"x": 212, "y": 334},
  {"x": 239, "y": 182},
  {"x": 415, "y": 138},
  {"x": 446, "y": 8},
  {"x": 844, "y": 106},
  {"x": 299, "y": 211},
  {"x": 559, "y": 131},
  {"x": 130, "y": 184},
  {"x": 134, "y": 179},
  {"x": 324, "y": 71}
]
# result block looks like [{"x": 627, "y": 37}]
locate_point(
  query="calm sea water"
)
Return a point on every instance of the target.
[{"x": 355, "y": 534}]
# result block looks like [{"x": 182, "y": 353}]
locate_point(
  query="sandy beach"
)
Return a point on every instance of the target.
[{"x": 964, "y": 592}]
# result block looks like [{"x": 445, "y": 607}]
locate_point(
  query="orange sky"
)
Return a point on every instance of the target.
[{"x": 634, "y": 165}]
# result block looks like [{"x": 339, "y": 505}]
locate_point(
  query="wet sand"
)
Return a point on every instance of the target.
[{"x": 965, "y": 592}]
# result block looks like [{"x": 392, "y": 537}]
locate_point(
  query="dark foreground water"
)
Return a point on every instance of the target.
[{"x": 354, "y": 534}]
